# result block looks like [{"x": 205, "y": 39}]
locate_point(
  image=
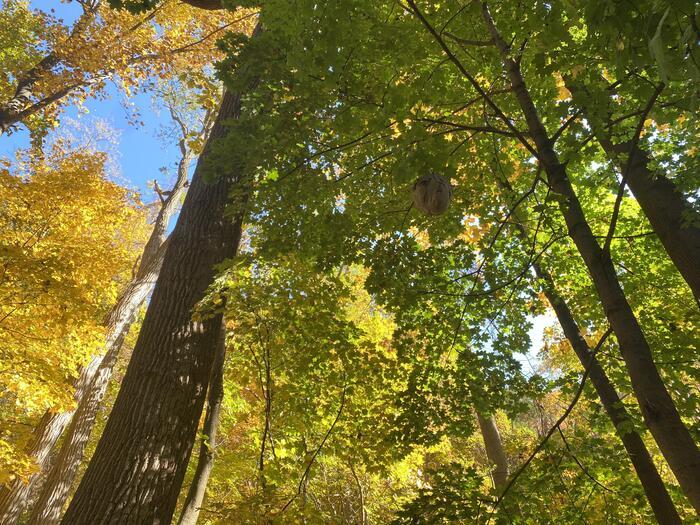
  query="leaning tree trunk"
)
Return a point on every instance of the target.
[
  {"x": 56, "y": 487},
  {"x": 205, "y": 461},
  {"x": 139, "y": 464},
  {"x": 657, "y": 406},
  {"x": 13, "y": 496},
  {"x": 654, "y": 488},
  {"x": 672, "y": 218},
  {"x": 494, "y": 450},
  {"x": 13, "y": 499}
]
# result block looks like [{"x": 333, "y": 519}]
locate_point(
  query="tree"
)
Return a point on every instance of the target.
[
  {"x": 167, "y": 411},
  {"x": 55, "y": 489},
  {"x": 103, "y": 44},
  {"x": 70, "y": 237}
]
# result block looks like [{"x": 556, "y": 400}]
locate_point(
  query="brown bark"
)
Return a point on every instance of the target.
[
  {"x": 657, "y": 406},
  {"x": 13, "y": 499},
  {"x": 55, "y": 489},
  {"x": 654, "y": 487},
  {"x": 139, "y": 464},
  {"x": 494, "y": 450},
  {"x": 205, "y": 461},
  {"x": 667, "y": 210}
]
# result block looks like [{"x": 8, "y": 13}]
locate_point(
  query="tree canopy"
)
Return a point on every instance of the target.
[{"x": 362, "y": 361}]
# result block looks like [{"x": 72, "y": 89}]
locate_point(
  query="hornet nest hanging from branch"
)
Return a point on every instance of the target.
[{"x": 432, "y": 194}]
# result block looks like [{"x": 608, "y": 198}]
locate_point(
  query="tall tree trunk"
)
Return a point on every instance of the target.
[
  {"x": 205, "y": 461},
  {"x": 667, "y": 210},
  {"x": 137, "y": 470},
  {"x": 13, "y": 499},
  {"x": 55, "y": 489},
  {"x": 654, "y": 487},
  {"x": 657, "y": 406},
  {"x": 494, "y": 450}
]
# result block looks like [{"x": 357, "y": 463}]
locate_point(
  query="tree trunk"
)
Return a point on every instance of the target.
[
  {"x": 494, "y": 450},
  {"x": 654, "y": 488},
  {"x": 137, "y": 470},
  {"x": 361, "y": 494},
  {"x": 56, "y": 487},
  {"x": 13, "y": 499},
  {"x": 205, "y": 461},
  {"x": 667, "y": 211},
  {"x": 657, "y": 406}
]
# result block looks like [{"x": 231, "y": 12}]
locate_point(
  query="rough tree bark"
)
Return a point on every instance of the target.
[
  {"x": 665, "y": 207},
  {"x": 494, "y": 450},
  {"x": 55, "y": 489},
  {"x": 205, "y": 461},
  {"x": 139, "y": 464},
  {"x": 657, "y": 406},
  {"x": 13, "y": 498}
]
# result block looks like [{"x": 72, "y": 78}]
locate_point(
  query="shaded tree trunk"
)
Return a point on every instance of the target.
[
  {"x": 664, "y": 206},
  {"x": 494, "y": 450},
  {"x": 654, "y": 488},
  {"x": 55, "y": 489},
  {"x": 657, "y": 406},
  {"x": 139, "y": 464},
  {"x": 93, "y": 379},
  {"x": 205, "y": 461}
]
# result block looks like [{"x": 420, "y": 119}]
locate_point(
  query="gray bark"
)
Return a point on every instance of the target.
[
  {"x": 56, "y": 488},
  {"x": 494, "y": 450},
  {"x": 205, "y": 461}
]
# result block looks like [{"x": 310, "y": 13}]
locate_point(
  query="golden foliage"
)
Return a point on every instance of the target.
[{"x": 68, "y": 240}]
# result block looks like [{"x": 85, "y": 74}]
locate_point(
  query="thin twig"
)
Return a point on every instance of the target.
[
  {"x": 628, "y": 166},
  {"x": 305, "y": 475}
]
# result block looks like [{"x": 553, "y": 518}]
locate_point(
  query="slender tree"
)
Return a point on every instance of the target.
[
  {"x": 205, "y": 460},
  {"x": 673, "y": 219},
  {"x": 657, "y": 406},
  {"x": 494, "y": 449},
  {"x": 654, "y": 487}
]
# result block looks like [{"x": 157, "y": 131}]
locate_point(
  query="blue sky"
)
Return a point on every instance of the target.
[{"x": 140, "y": 153}]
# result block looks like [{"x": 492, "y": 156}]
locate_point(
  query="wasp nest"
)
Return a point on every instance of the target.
[{"x": 432, "y": 194}]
